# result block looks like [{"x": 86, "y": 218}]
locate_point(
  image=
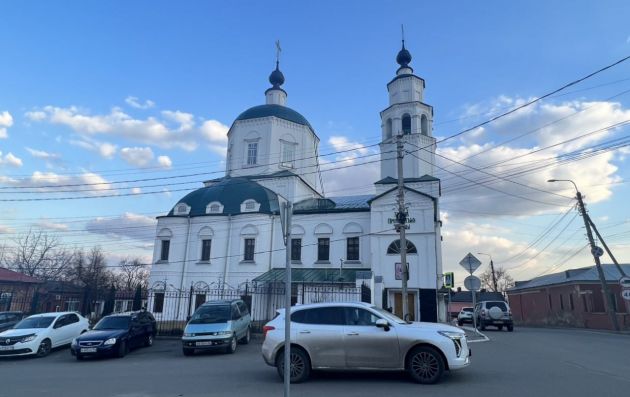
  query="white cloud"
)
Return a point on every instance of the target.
[
  {"x": 45, "y": 224},
  {"x": 137, "y": 156},
  {"x": 104, "y": 149},
  {"x": 92, "y": 184},
  {"x": 165, "y": 161},
  {"x": 6, "y": 121},
  {"x": 6, "y": 229},
  {"x": 152, "y": 131},
  {"x": 43, "y": 155},
  {"x": 136, "y": 190},
  {"x": 10, "y": 160},
  {"x": 214, "y": 131},
  {"x": 340, "y": 175},
  {"x": 134, "y": 102},
  {"x": 129, "y": 225},
  {"x": 107, "y": 150}
]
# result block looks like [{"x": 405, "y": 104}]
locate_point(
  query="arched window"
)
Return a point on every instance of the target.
[
  {"x": 388, "y": 128},
  {"x": 424, "y": 125},
  {"x": 406, "y": 124},
  {"x": 394, "y": 248}
]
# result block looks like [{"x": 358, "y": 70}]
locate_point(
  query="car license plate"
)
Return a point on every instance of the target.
[
  {"x": 204, "y": 344},
  {"x": 497, "y": 322},
  {"x": 88, "y": 350},
  {"x": 6, "y": 347}
]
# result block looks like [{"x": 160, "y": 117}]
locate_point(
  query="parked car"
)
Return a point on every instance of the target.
[
  {"x": 496, "y": 313},
  {"x": 217, "y": 325},
  {"x": 358, "y": 336},
  {"x": 9, "y": 319},
  {"x": 116, "y": 335},
  {"x": 465, "y": 316},
  {"x": 40, "y": 333}
]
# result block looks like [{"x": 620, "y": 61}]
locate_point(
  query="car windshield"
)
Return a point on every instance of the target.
[
  {"x": 116, "y": 322},
  {"x": 500, "y": 305},
  {"x": 35, "y": 322},
  {"x": 389, "y": 316},
  {"x": 467, "y": 309},
  {"x": 211, "y": 315}
]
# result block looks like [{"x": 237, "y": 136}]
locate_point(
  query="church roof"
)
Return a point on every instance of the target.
[
  {"x": 425, "y": 178},
  {"x": 279, "y": 111},
  {"x": 345, "y": 275},
  {"x": 333, "y": 204},
  {"x": 231, "y": 193}
]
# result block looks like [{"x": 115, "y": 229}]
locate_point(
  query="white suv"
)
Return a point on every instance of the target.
[{"x": 361, "y": 336}]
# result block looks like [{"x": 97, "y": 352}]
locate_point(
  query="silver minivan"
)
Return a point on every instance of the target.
[{"x": 217, "y": 325}]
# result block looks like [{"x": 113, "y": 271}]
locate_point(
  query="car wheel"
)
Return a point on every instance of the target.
[
  {"x": 510, "y": 328},
  {"x": 79, "y": 357},
  {"x": 188, "y": 352},
  {"x": 500, "y": 327},
  {"x": 248, "y": 336},
  {"x": 300, "y": 365},
  {"x": 425, "y": 365},
  {"x": 149, "y": 340},
  {"x": 44, "y": 348},
  {"x": 482, "y": 326},
  {"x": 231, "y": 348},
  {"x": 460, "y": 323},
  {"x": 122, "y": 349}
]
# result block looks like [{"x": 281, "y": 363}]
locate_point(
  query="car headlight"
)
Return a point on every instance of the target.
[
  {"x": 224, "y": 333},
  {"x": 451, "y": 334},
  {"x": 110, "y": 341},
  {"x": 188, "y": 334},
  {"x": 29, "y": 338}
]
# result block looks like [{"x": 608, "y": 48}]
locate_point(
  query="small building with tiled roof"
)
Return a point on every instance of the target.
[
  {"x": 229, "y": 233},
  {"x": 571, "y": 298},
  {"x": 17, "y": 290}
]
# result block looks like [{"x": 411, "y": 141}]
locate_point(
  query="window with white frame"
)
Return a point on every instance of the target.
[
  {"x": 288, "y": 154},
  {"x": 206, "y": 244},
  {"x": 252, "y": 153},
  {"x": 250, "y": 246},
  {"x": 166, "y": 245}
]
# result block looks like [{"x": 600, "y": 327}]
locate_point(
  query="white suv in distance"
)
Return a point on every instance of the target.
[
  {"x": 358, "y": 336},
  {"x": 465, "y": 316}
]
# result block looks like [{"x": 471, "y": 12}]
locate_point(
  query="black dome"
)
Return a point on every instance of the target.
[
  {"x": 404, "y": 57},
  {"x": 276, "y": 78}
]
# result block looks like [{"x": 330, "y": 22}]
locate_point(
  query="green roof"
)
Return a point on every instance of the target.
[
  {"x": 279, "y": 111},
  {"x": 231, "y": 193},
  {"x": 312, "y": 275}
]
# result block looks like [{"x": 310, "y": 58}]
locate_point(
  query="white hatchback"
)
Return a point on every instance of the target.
[
  {"x": 360, "y": 336},
  {"x": 39, "y": 333}
]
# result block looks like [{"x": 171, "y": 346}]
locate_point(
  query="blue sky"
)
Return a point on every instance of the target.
[{"x": 79, "y": 80}]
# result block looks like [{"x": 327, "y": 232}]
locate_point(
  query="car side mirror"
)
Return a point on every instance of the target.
[{"x": 382, "y": 323}]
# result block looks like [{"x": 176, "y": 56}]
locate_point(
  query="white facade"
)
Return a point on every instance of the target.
[{"x": 245, "y": 233}]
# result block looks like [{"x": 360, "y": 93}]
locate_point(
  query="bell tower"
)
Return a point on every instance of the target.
[{"x": 409, "y": 116}]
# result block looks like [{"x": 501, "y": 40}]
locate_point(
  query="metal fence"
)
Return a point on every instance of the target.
[{"x": 172, "y": 308}]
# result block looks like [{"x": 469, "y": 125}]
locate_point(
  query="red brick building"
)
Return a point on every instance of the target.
[
  {"x": 16, "y": 290},
  {"x": 572, "y": 298}
]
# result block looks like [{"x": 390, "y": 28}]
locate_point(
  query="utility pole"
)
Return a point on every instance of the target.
[
  {"x": 401, "y": 220},
  {"x": 494, "y": 276},
  {"x": 288, "y": 211},
  {"x": 594, "y": 251},
  {"x": 599, "y": 236}
]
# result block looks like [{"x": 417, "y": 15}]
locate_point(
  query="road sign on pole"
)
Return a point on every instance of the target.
[
  {"x": 472, "y": 283},
  {"x": 470, "y": 263},
  {"x": 449, "y": 280},
  {"x": 625, "y": 294}
]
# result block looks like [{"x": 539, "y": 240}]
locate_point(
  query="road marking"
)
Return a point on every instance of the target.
[{"x": 471, "y": 329}]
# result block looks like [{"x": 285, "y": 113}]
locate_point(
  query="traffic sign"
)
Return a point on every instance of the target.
[
  {"x": 472, "y": 283},
  {"x": 597, "y": 251},
  {"x": 624, "y": 282},
  {"x": 470, "y": 263},
  {"x": 449, "y": 280},
  {"x": 625, "y": 294}
]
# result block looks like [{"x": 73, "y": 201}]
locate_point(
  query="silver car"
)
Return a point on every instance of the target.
[
  {"x": 217, "y": 325},
  {"x": 357, "y": 336}
]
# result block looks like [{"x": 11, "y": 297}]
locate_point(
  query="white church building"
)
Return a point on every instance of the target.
[{"x": 228, "y": 233}]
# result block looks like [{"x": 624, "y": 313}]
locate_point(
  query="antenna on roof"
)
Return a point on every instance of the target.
[{"x": 402, "y": 29}]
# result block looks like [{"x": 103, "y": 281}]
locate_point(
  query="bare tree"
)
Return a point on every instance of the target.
[
  {"x": 132, "y": 273},
  {"x": 504, "y": 280},
  {"x": 90, "y": 270},
  {"x": 37, "y": 254}
]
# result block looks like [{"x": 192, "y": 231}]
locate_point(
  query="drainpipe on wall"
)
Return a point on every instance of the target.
[
  {"x": 227, "y": 252},
  {"x": 181, "y": 284},
  {"x": 273, "y": 221}
]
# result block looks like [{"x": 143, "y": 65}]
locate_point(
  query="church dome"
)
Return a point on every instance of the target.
[
  {"x": 279, "y": 111},
  {"x": 276, "y": 78},
  {"x": 404, "y": 57},
  {"x": 231, "y": 193}
]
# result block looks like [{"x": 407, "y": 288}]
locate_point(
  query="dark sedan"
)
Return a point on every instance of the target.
[
  {"x": 9, "y": 319},
  {"x": 115, "y": 335}
]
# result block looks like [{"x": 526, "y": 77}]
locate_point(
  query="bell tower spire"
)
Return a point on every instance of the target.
[{"x": 276, "y": 95}]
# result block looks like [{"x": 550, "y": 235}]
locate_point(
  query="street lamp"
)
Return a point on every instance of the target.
[
  {"x": 494, "y": 277},
  {"x": 596, "y": 252}
]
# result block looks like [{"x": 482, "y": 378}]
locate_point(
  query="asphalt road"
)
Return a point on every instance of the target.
[{"x": 529, "y": 362}]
